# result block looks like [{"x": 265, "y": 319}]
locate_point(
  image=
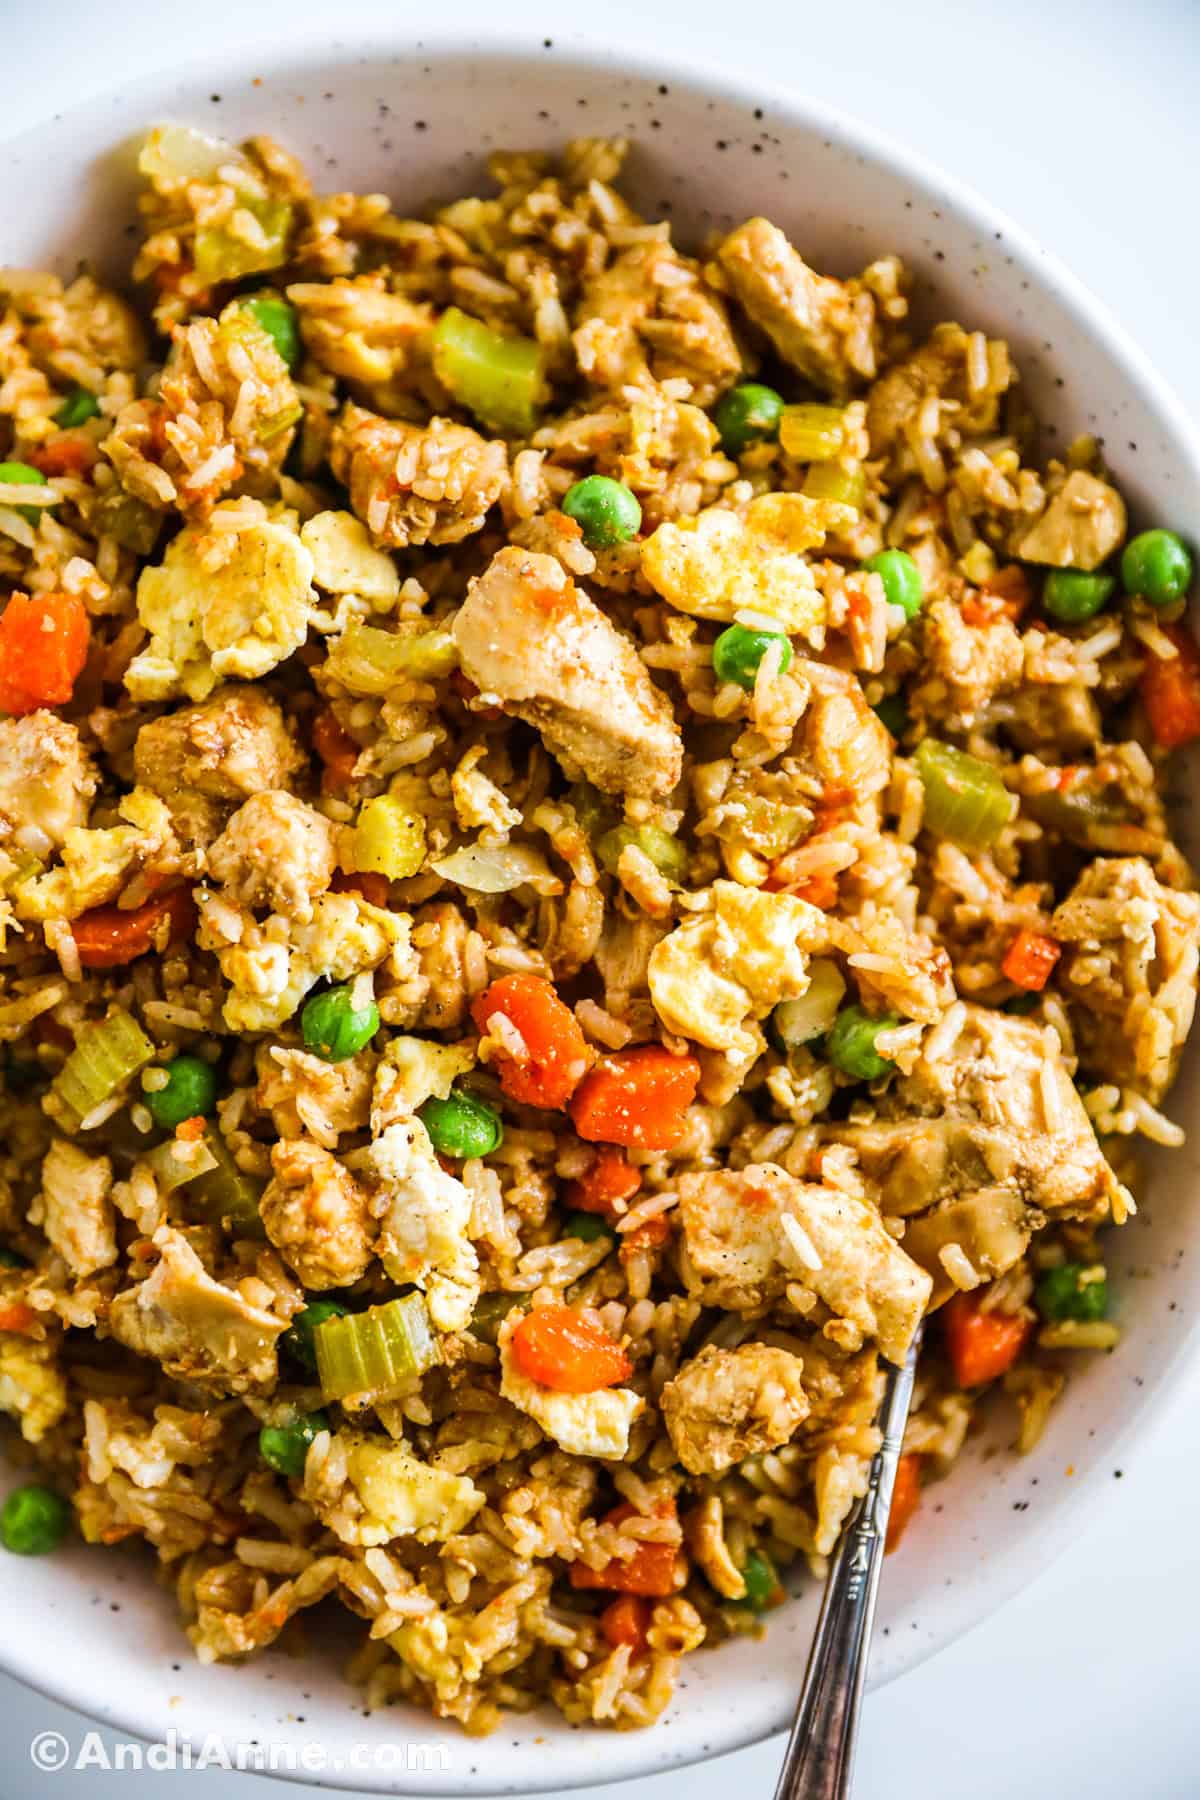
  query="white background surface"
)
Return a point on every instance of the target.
[{"x": 1080, "y": 120}]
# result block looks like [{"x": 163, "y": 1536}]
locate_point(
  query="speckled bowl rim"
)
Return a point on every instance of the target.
[{"x": 625, "y": 1756}]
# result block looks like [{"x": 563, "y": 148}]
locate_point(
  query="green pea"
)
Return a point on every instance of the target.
[
  {"x": 19, "y": 474},
  {"x": 747, "y": 414},
  {"x": 1073, "y": 595},
  {"x": 285, "y": 1447},
  {"x": 79, "y": 406},
  {"x": 902, "y": 584},
  {"x": 893, "y": 713},
  {"x": 34, "y": 1520},
  {"x": 190, "y": 1093},
  {"x": 461, "y": 1125},
  {"x": 334, "y": 1028},
  {"x": 762, "y": 1583},
  {"x": 1063, "y": 1294},
  {"x": 278, "y": 320},
  {"x": 738, "y": 652},
  {"x": 1158, "y": 566},
  {"x": 589, "y": 1227},
  {"x": 850, "y": 1044},
  {"x": 606, "y": 510},
  {"x": 1022, "y": 1004},
  {"x": 298, "y": 1338}
]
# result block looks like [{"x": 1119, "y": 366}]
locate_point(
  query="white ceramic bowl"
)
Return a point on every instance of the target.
[{"x": 417, "y": 123}]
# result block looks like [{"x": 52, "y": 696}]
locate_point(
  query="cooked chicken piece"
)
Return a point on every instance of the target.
[
  {"x": 74, "y": 1209},
  {"x": 303, "y": 1093},
  {"x": 816, "y": 324},
  {"x": 275, "y": 855},
  {"x": 978, "y": 1145},
  {"x": 528, "y": 635},
  {"x": 198, "y": 1329},
  {"x": 204, "y": 760},
  {"x": 965, "y": 667},
  {"x": 748, "y": 1233},
  {"x": 317, "y": 1217},
  {"x": 725, "y": 1405},
  {"x": 939, "y": 370},
  {"x": 423, "y": 1216},
  {"x": 1129, "y": 971},
  {"x": 590, "y": 1424},
  {"x": 417, "y": 484},
  {"x": 649, "y": 317},
  {"x": 442, "y": 939},
  {"x": 1054, "y": 720},
  {"x": 842, "y": 1391},
  {"x": 46, "y": 782},
  {"x": 1083, "y": 524}
]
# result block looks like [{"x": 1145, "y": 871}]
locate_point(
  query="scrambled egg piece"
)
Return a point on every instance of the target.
[
  {"x": 720, "y": 969},
  {"x": 478, "y": 803},
  {"x": 402, "y": 1496},
  {"x": 32, "y": 1388},
  {"x": 424, "y": 1214},
  {"x": 345, "y": 561},
  {"x": 46, "y": 781},
  {"x": 718, "y": 565},
  {"x": 95, "y": 864},
  {"x": 411, "y": 1071},
  {"x": 222, "y": 604},
  {"x": 271, "y": 966},
  {"x": 582, "y": 1424}
]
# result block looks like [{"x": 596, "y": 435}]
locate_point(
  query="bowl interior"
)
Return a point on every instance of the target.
[{"x": 418, "y": 125}]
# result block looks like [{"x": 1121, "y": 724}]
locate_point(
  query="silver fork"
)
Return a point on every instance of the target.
[{"x": 819, "y": 1760}]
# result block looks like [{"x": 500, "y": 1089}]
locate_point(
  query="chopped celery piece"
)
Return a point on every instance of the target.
[
  {"x": 217, "y": 1190},
  {"x": 491, "y": 1310},
  {"x": 367, "y": 660},
  {"x": 665, "y": 852},
  {"x": 178, "y": 1161},
  {"x": 389, "y": 839},
  {"x": 499, "y": 379},
  {"x": 830, "y": 481},
  {"x": 381, "y": 1352},
  {"x": 812, "y": 433},
  {"x": 225, "y": 255},
  {"x": 965, "y": 799},
  {"x": 106, "y": 1054},
  {"x": 181, "y": 153},
  {"x": 133, "y": 523},
  {"x": 798, "y": 1022},
  {"x": 280, "y": 422}
]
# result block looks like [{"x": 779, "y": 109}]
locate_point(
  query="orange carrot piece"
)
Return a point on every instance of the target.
[
  {"x": 557, "y": 1054},
  {"x": 558, "y": 1348},
  {"x": 609, "y": 1178},
  {"x": 336, "y": 749},
  {"x": 652, "y": 1570},
  {"x": 637, "y": 1098},
  {"x": 43, "y": 647},
  {"x": 981, "y": 1345},
  {"x": 71, "y": 454},
  {"x": 906, "y": 1497},
  {"x": 1030, "y": 959},
  {"x": 1171, "y": 691},
  {"x": 109, "y": 936},
  {"x": 651, "y": 1236},
  {"x": 626, "y": 1620},
  {"x": 16, "y": 1316}
]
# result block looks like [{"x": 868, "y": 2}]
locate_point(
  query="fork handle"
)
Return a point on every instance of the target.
[{"x": 819, "y": 1760}]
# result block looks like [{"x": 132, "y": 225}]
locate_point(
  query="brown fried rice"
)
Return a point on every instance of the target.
[{"x": 315, "y": 557}]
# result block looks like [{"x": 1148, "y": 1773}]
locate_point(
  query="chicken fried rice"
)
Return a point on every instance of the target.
[{"x": 581, "y": 843}]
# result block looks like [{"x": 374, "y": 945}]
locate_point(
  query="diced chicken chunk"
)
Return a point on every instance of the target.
[
  {"x": 197, "y": 1328},
  {"x": 723, "y": 968},
  {"x": 203, "y": 760},
  {"x": 417, "y": 484},
  {"x": 647, "y": 317},
  {"x": 748, "y": 1233},
  {"x": 423, "y": 1215},
  {"x": 528, "y": 635},
  {"x": 1129, "y": 971},
  {"x": 275, "y": 855},
  {"x": 1083, "y": 524},
  {"x": 46, "y": 782},
  {"x": 304, "y": 1093},
  {"x": 74, "y": 1208},
  {"x": 965, "y": 667},
  {"x": 816, "y": 324},
  {"x": 317, "y": 1217},
  {"x": 725, "y": 1405},
  {"x": 389, "y": 1492},
  {"x": 980, "y": 1143},
  {"x": 595, "y": 1424}
]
